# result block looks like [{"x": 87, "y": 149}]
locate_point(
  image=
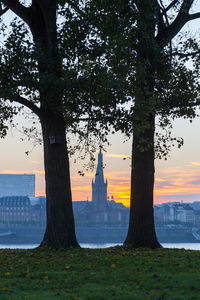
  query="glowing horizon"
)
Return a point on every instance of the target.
[
  {"x": 172, "y": 184},
  {"x": 176, "y": 179}
]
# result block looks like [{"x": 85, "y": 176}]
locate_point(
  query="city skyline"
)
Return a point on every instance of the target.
[{"x": 176, "y": 179}]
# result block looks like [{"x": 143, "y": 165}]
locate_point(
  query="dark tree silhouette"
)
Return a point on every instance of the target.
[
  {"x": 41, "y": 19},
  {"x": 52, "y": 63},
  {"x": 138, "y": 46},
  {"x": 155, "y": 32}
]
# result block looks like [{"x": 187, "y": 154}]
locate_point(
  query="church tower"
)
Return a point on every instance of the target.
[{"x": 99, "y": 187}]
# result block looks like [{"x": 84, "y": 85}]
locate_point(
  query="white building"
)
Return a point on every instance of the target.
[
  {"x": 17, "y": 185},
  {"x": 185, "y": 214}
]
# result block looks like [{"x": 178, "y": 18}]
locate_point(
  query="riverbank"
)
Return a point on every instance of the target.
[
  {"x": 113, "y": 273},
  {"x": 95, "y": 234}
]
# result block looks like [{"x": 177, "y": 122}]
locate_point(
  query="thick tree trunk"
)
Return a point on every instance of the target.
[
  {"x": 41, "y": 17},
  {"x": 60, "y": 232},
  {"x": 141, "y": 232}
]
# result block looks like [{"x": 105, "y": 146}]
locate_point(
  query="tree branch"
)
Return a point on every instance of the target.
[
  {"x": 30, "y": 105},
  {"x": 169, "y": 32},
  {"x": 3, "y": 11},
  {"x": 165, "y": 10},
  {"x": 177, "y": 109},
  {"x": 20, "y": 10},
  {"x": 181, "y": 54},
  {"x": 194, "y": 16}
]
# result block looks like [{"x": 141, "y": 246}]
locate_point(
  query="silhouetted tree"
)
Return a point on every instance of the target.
[
  {"x": 49, "y": 64},
  {"x": 139, "y": 46},
  {"x": 155, "y": 32}
]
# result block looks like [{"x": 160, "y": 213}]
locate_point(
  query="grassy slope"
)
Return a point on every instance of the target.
[{"x": 114, "y": 273}]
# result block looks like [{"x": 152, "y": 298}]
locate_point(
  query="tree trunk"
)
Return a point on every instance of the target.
[
  {"x": 141, "y": 232},
  {"x": 41, "y": 17},
  {"x": 60, "y": 232}
]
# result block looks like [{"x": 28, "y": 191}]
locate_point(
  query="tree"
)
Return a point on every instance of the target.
[
  {"x": 52, "y": 64},
  {"x": 158, "y": 32},
  {"x": 40, "y": 17},
  {"x": 156, "y": 36},
  {"x": 157, "y": 85}
]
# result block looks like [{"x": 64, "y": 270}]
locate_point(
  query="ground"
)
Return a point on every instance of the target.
[{"x": 114, "y": 273}]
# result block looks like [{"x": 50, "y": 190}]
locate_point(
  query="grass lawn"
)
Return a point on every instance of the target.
[{"x": 114, "y": 273}]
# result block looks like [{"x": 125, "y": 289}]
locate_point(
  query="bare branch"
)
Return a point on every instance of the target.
[
  {"x": 20, "y": 10},
  {"x": 181, "y": 54},
  {"x": 165, "y": 10},
  {"x": 3, "y": 11},
  {"x": 169, "y": 32},
  {"x": 30, "y": 105},
  {"x": 194, "y": 16}
]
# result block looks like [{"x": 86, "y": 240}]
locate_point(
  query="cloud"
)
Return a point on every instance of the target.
[
  {"x": 15, "y": 172},
  {"x": 195, "y": 163},
  {"x": 119, "y": 181},
  {"x": 180, "y": 182},
  {"x": 179, "y": 197},
  {"x": 157, "y": 179},
  {"x": 118, "y": 186},
  {"x": 81, "y": 188},
  {"x": 42, "y": 172},
  {"x": 40, "y": 192},
  {"x": 195, "y": 182},
  {"x": 36, "y": 162},
  {"x": 111, "y": 155},
  {"x": 171, "y": 184},
  {"x": 79, "y": 177}
]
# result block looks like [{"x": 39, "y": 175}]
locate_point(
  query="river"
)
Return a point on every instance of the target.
[{"x": 187, "y": 246}]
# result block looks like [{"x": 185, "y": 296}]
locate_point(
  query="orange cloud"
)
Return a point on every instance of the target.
[
  {"x": 40, "y": 193},
  {"x": 36, "y": 162},
  {"x": 195, "y": 163},
  {"x": 179, "y": 181},
  {"x": 117, "y": 155},
  {"x": 15, "y": 172},
  {"x": 39, "y": 172},
  {"x": 118, "y": 186},
  {"x": 169, "y": 183},
  {"x": 159, "y": 179}
]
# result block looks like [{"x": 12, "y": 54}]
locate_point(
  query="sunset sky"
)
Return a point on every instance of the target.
[{"x": 177, "y": 179}]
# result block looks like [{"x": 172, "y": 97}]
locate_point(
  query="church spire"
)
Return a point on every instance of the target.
[
  {"x": 99, "y": 177},
  {"x": 99, "y": 187}
]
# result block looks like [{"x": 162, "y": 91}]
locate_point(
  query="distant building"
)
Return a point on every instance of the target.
[
  {"x": 100, "y": 211},
  {"x": 175, "y": 212},
  {"x": 18, "y": 210},
  {"x": 17, "y": 185},
  {"x": 99, "y": 187},
  {"x": 185, "y": 214}
]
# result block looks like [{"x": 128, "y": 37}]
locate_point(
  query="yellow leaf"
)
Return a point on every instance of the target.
[
  {"x": 67, "y": 267},
  {"x": 113, "y": 266},
  {"x": 5, "y": 289},
  {"x": 7, "y": 274},
  {"x": 45, "y": 277}
]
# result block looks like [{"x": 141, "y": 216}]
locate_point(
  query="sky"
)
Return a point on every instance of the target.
[{"x": 176, "y": 179}]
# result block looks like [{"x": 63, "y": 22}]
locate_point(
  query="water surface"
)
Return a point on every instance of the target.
[{"x": 187, "y": 246}]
